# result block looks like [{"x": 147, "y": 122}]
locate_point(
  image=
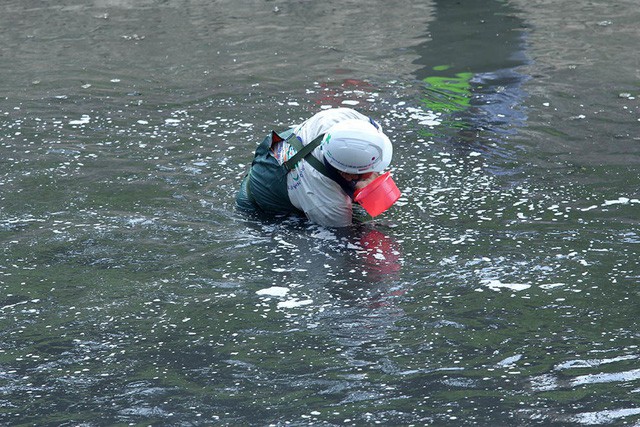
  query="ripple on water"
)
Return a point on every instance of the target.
[{"x": 475, "y": 293}]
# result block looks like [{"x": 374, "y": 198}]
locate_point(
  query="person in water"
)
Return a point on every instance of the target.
[{"x": 315, "y": 168}]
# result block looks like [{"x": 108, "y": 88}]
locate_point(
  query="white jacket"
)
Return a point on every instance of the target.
[{"x": 321, "y": 199}]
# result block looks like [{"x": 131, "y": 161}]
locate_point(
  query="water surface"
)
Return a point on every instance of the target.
[{"x": 501, "y": 290}]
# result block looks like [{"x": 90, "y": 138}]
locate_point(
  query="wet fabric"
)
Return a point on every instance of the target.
[
  {"x": 323, "y": 200},
  {"x": 264, "y": 188},
  {"x": 320, "y": 193}
]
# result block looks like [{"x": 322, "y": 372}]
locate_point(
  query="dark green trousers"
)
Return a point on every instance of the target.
[{"x": 264, "y": 188}]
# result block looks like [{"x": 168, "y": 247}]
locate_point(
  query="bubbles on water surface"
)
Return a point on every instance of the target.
[{"x": 422, "y": 297}]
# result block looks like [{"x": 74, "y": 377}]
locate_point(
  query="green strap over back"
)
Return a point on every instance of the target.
[{"x": 304, "y": 152}]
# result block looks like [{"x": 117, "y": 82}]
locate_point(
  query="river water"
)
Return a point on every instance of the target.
[{"x": 502, "y": 289}]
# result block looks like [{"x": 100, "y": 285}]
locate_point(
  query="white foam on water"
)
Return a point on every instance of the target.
[
  {"x": 424, "y": 117},
  {"x": 509, "y": 360},
  {"x": 620, "y": 201},
  {"x": 293, "y": 303},
  {"x": 544, "y": 383},
  {"x": 589, "y": 208},
  {"x": 82, "y": 121},
  {"x": 592, "y": 363},
  {"x": 496, "y": 285},
  {"x": 631, "y": 375},
  {"x": 604, "y": 417},
  {"x": 324, "y": 234},
  {"x": 139, "y": 221},
  {"x": 552, "y": 285},
  {"x": 274, "y": 291}
]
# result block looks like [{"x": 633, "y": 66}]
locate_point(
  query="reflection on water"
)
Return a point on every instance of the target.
[
  {"x": 132, "y": 292},
  {"x": 471, "y": 75}
]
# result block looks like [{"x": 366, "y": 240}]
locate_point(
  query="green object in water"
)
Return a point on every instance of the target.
[{"x": 448, "y": 94}]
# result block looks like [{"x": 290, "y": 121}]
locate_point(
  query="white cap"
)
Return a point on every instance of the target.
[{"x": 357, "y": 146}]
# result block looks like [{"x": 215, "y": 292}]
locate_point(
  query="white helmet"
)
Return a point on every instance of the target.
[{"x": 357, "y": 146}]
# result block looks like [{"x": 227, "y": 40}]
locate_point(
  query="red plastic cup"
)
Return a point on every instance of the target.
[{"x": 378, "y": 195}]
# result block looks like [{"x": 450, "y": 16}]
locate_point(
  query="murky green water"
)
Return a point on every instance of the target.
[{"x": 501, "y": 290}]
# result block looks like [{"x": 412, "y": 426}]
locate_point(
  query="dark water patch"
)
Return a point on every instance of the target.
[{"x": 476, "y": 87}]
